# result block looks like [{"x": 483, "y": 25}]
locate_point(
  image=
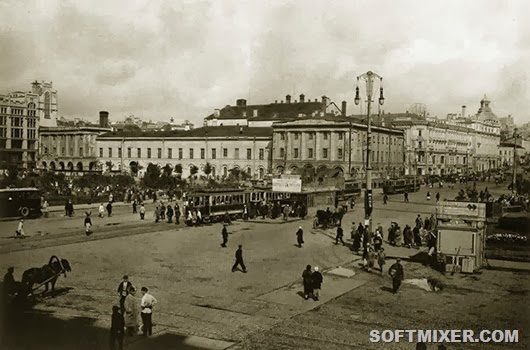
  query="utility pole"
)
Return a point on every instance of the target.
[
  {"x": 369, "y": 78},
  {"x": 514, "y": 174}
]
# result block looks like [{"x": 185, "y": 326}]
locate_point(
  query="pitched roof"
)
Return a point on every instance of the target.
[
  {"x": 271, "y": 111},
  {"x": 207, "y": 131}
]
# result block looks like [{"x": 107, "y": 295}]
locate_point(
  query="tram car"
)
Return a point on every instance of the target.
[
  {"x": 215, "y": 204},
  {"x": 402, "y": 185}
]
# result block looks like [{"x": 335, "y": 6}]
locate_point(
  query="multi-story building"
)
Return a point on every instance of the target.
[
  {"x": 264, "y": 115},
  {"x": 223, "y": 147},
  {"x": 335, "y": 146},
  {"x": 435, "y": 148},
  {"x": 71, "y": 149},
  {"x": 21, "y": 114}
]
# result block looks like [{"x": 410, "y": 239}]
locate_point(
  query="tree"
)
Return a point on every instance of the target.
[
  {"x": 207, "y": 169},
  {"x": 178, "y": 168},
  {"x": 234, "y": 173},
  {"x": 109, "y": 166},
  {"x": 193, "y": 170},
  {"x": 152, "y": 176},
  {"x": 167, "y": 170}
]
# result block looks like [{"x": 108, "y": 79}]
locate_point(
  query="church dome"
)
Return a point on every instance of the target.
[{"x": 484, "y": 112}]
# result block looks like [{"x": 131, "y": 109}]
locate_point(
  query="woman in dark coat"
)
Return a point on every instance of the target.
[
  {"x": 407, "y": 236},
  {"x": 300, "y": 237},
  {"x": 307, "y": 277}
]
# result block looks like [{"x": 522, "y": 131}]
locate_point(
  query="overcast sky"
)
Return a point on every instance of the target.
[{"x": 182, "y": 59}]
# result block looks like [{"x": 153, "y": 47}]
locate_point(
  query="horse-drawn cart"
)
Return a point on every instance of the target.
[{"x": 324, "y": 218}]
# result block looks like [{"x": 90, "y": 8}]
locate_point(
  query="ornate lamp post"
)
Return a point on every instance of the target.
[{"x": 369, "y": 78}]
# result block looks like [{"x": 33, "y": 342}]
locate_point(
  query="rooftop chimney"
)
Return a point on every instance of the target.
[
  {"x": 343, "y": 110},
  {"x": 241, "y": 102},
  {"x": 324, "y": 105},
  {"x": 104, "y": 119},
  {"x": 217, "y": 112},
  {"x": 302, "y": 98},
  {"x": 463, "y": 111},
  {"x": 288, "y": 99}
]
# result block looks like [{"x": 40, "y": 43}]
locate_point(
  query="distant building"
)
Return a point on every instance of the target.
[
  {"x": 264, "y": 115},
  {"x": 21, "y": 114},
  {"x": 71, "y": 148},
  {"x": 223, "y": 147},
  {"x": 335, "y": 146}
]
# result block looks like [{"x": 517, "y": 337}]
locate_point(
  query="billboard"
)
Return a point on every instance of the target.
[
  {"x": 292, "y": 185},
  {"x": 456, "y": 242}
]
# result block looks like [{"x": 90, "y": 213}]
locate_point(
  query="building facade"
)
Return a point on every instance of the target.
[
  {"x": 223, "y": 147},
  {"x": 21, "y": 114},
  {"x": 335, "y": 146},
  {"x": 435, "y": 148}
]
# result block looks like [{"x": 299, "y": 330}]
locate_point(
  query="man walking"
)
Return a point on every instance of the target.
[
  {"x": 147, "y": 303},
  {"x": 88, "y": 223},
  {"x": 308, "y": 282},
  {"x": 101, "y": 210},
  {"x": 406, "y": 197},
  {"x": 177, "y": 214},
  {"x": 109, "y": 209},
  {"x": 134, "y": 204},
  {"x": 316, "y": 278},
  {"x": 385, "y": 198},
  {"x": 117, "y": 326},
  {"x": 340, "y": 234},
  {"x": 224, "y": 234},
  {"x": 124, "y": 288},
  {"x": 397, "y": 274},
  {"x": 19, "y": 232},
  {"x": 169, "y": 214},
  {"x": 239, "y": 260},
  {"x": 300, "y": 236},
  {"x": 142, "y": 211},
  {"x": 381, "y": 259}
]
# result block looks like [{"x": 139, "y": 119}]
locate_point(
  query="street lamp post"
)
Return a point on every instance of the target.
[
  {"x": 514, "y": 174},
  {"x": 369, "y": 78}
]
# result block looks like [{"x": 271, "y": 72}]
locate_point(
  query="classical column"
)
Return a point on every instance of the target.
[{"x": 317, "y": 151}]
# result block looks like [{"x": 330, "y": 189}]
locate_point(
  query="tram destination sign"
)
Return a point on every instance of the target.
[{"x": 291, "y": 185}]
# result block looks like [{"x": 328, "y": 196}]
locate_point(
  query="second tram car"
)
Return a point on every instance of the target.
[{"x": 407, "y": 184}]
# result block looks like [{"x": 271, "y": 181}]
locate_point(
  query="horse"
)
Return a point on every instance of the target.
[{"x": 46, "y": 274}]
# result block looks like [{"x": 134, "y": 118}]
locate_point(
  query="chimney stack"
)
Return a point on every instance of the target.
[
  {"x": 324, "y": 105},
  {"x": 302, "y": 98},
  {"x": 288, "y": 99},
  {"x": 463, "y": 111},
  {"x": 343, "y": 110},
  {"x": 241, "y": 102},
  {"x": 104, "y": 119}
]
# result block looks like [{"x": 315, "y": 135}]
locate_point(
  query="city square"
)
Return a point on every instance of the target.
[{"x": 264, "y": 175}]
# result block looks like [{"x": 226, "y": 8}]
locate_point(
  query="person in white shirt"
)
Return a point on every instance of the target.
[
  {"x": 101, "y": 210},
  {"x": 147, "y": 303},
  {"x": 20, "y": 229}
]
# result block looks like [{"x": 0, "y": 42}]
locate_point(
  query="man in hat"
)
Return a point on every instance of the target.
[
  {"x": 239, "y": 259},
  {"x": 397, "y": 274},
  {"x": 123, "y": 290},
  {"x": 339, "y": 235},
  {"x": 316, "y": 278},
  {"x": 224, "y": 234}
]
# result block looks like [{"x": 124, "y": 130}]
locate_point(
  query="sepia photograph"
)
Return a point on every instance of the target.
[{"x": 264, "y": 175}]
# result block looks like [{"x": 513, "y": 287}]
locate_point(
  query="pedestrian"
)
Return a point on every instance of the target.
[
  {"x": 134, "y": 204},
  {"x": 132, "y": 311},
  {"x": 286, "y": 211},
  {"x": 300, "y": 236},
  {"x": 9, "y": 282},
  {"x": 157, "y": 212},
  {"x": 142, "y": 212},
  {"x": 177, "y": 214},
  {"x": 437, "y": 197},
  {"x": 340, "y": 234},
  {"x": 307, "y": 278},
  {"x": 199, "y": 217},
  {"x": 117, "y": 326},
  {"x": 45, "y": 206},
  {"x": 378, "y": 241},
  {"x": 352, "y": 233},
  {"x": 407, "y": 236},
  {"x": 101, "y": 210},
  {"x": 385, "y": 198},
  {"x": 397, "y": 274},
  {"x": 239, "y": 260},
  {"x": 381, "y": 259},
  {"x": 417, "y": 236},
  {"x": 123, "y": 290},
  {"x": 162, "y": 211},
  {"x": 316, "y": 279},
  {"x": 111, "y": 198},
  {"x": 419, "y": 221},
  {"x": 19, "y": 232},
  {"x": 406, "y": 197},
  {"x": 109, "y": 209},
  {"x": 88, "y": 223},
  {"x": 371, "y": 257},
  {"x": 428, "y": 195},
  {"x": 224, "y": 234},
  {"x": 169, "y": 214},
  {"x": 245, "y": 213},
  {"x": 147, "y": 303}
]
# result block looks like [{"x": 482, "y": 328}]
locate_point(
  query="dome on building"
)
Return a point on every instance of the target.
[{"x": 484, "y": 112}]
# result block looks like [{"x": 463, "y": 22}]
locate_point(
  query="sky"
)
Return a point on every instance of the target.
[{"x": 182, "y": 59}]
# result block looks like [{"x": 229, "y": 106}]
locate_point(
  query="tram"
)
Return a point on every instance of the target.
[{"x": 406, "y": 184}]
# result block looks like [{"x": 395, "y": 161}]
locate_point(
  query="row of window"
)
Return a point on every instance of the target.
[
  {"x": 311, "y": 154},
  {"x": 180, "y": 154},
  {"x": 64, "y": 151},
  {"x": 18, "y": 133},
  {"x": 442, "y": 159},
  {"x": 382, "y": 139}
]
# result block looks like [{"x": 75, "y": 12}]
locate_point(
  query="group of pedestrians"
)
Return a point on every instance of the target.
[
  {"x": 125, "y": 316},
  {"x": 312, "y": 280},
  {"x": 163, "y": 212}
]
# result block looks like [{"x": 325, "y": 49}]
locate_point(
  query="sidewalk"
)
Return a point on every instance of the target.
[{"x": 93, "y": 206}]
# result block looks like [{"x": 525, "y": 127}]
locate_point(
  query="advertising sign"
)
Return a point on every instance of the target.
[{"x": 287, "y": 185}]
